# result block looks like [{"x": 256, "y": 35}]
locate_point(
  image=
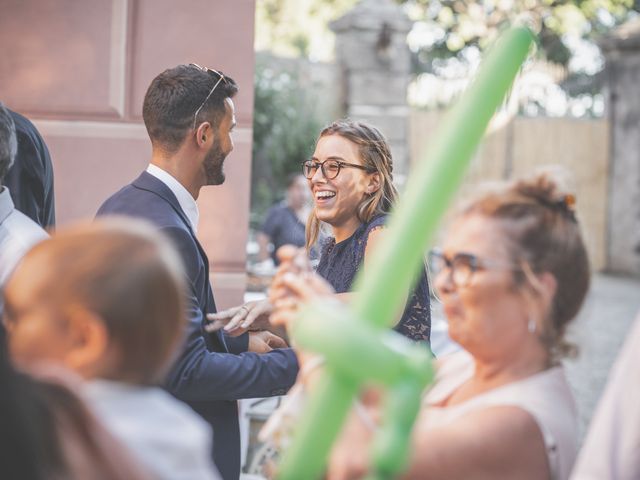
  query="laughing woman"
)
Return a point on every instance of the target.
[{"x": 351, "y": 181}]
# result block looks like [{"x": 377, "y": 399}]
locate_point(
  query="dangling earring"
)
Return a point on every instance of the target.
[{"x": 531, "y": 325}]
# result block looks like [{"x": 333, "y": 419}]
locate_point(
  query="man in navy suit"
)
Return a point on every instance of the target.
[{"x": 189, "y": 115}]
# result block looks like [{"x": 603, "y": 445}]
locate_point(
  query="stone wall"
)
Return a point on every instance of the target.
[
  {"x": 374, "y": 63},
  {"x": 622, "y": 53}
]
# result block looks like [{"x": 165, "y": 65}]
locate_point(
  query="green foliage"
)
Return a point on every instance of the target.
[
  {"x": 285, "y": 125},
  {"x": 459, "y": 24},
  {"x": 298, "y": 28}
]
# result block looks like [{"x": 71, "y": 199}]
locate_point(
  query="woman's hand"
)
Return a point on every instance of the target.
[
  {"x": 237, "y": 320},
  {"x": 264, "y": 341},
  {"x": 294, "y": 283}
]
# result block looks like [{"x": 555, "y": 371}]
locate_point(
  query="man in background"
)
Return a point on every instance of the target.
[
  {"x": 17, "y": 231},
  {"x": 30, "y": 180},
  {"x": 285, "y": 222}
]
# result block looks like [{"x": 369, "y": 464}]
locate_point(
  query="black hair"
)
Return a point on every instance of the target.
[
  {"x": 175, "y": 95},
  {"x": 8, "y": 142}
]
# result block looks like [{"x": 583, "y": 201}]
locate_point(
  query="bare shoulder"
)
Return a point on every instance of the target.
[
  {"x": 493, "y": 443},
  {"x": 376, "y": 235}
]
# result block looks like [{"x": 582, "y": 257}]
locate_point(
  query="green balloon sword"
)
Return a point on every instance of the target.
[{"x": 365, "y": 350}]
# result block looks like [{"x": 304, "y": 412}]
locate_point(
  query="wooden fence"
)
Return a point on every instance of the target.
[{"x": 523, "y": 144}]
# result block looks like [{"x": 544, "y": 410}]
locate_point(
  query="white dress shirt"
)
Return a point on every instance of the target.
[
  {"x": 18, "y": 233},
  {"x": 186, "y": 201},
  {"x": 164, "y": 434}
]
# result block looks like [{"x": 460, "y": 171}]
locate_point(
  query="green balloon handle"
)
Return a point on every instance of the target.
[{"x": 355, "y": 342}]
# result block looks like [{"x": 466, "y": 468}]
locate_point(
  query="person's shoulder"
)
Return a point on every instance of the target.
[
  {"x": 501, "y": 425},
  {"x": 18, "y": 233},
  {"x": 23, "y": 124},
  {"x": 178, "y": 420},
  {"x": 369, "y": 234},
  {"x": 118, "y": 395},
  {"x": 179, "y": 411},
  {"x": 126, "y": 191},
  {"x": 454, "y": 363},
  {"x": 273, "y": 218},
  {"x": 377, "y": 221},
  {"x": 481, "y": 442},
  {"x": 124, "y": 201},
  {"x": 164, "y": 418},
  {"x": 180, "y": 435},
  {"x": 542, "y": 390},
  {"x": 26, "y": 131},
  {"x": 142, "y": 203},
  {"x": 33, "y": 153},
  {"x": 276, "y": 210},
  {"x": 22, "y": 229}
]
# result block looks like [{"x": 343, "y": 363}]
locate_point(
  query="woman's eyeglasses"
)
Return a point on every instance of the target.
[
  {"x": 330, "y": 168},
  {"x": 462, "y": 266},
  {"x": 220, "y": 78}
]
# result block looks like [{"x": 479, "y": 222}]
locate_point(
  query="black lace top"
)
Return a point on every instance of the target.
[{"x": 339, "y": 263}]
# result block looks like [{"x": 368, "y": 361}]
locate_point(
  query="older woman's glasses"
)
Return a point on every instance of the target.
[
  {"x": 217, "y": 75},
  {"x": 462, "y": 266},
  {"x": 330, "y": 168}
]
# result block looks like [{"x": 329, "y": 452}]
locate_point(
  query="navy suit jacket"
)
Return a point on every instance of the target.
[
  {"x": 212, "y": 371},
  {"x": 30, "y": 179}
]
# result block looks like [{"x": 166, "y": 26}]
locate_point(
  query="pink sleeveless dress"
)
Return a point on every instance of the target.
[{"x": 546, "y": 396}]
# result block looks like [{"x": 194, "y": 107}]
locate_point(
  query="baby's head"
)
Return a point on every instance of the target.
[{"x": 104, "y": 299}]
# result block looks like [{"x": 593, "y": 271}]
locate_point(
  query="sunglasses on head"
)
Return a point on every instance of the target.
[{"x": 220, "y": 78}]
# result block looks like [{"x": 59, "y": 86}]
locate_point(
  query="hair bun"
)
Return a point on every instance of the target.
[
  {"x": 569, "y": 201},
  {"x": 553, "y": 187}
]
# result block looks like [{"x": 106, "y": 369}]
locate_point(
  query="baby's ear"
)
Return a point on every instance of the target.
[{"x": 89, "y": 342}]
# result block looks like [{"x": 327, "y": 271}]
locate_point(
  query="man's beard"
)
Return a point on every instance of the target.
[{"x": 213, "y": 166}]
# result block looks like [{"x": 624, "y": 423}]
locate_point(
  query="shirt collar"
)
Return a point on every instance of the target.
[{"x": 186, "y": 201}]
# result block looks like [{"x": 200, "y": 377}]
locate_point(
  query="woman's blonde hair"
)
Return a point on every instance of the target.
[{"x": 376, "y": 157}]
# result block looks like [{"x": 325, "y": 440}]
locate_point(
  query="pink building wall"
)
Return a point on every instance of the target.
[{"x": 79, "y": 71}]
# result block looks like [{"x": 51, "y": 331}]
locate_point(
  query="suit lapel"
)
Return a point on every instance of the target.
[{"x": 148, "y": 182}]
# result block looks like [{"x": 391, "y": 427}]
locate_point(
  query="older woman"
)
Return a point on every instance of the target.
[{"x": 512, "y": 274}]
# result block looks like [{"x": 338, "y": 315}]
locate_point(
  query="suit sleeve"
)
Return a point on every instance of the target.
[
  {"x": 200, "y": 374},
  {"x": 237, "y": 344}
]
